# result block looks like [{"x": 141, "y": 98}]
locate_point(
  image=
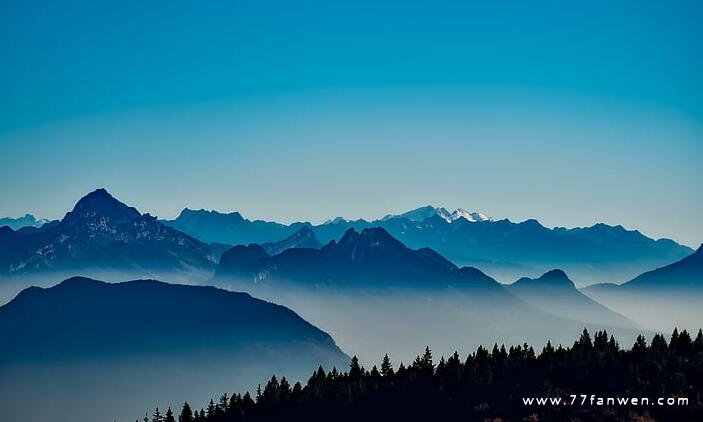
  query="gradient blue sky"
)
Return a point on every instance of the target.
[{"x": 570, "y": 113}]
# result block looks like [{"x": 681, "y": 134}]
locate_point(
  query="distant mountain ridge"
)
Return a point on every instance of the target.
[
  {"x": 501, "y": 247},
  {"x": 28, "y": 220},
  {"x": 230, "y": 228},
  {"x": 104, "y": 233},
  {"x": 101, "y": 233},
  {"x": 422, "y": 213},
  {"x": 303, "y": 238}
]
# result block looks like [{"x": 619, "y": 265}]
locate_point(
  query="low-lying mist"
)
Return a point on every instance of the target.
[{"x": 401, "y": 322}]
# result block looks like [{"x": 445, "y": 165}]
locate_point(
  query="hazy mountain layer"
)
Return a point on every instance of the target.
[
  {"x": 662, "y": 298},
  {"x": 554, "y": 293},
  {"x": 375, "y": 295}
]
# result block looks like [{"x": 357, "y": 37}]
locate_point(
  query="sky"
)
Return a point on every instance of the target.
[{"x": 569, "y": 112}]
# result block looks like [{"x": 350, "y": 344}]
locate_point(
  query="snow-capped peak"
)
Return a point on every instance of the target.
[
  {"x": 460, "y": 213},
  {"x": 471, "y": 216}
]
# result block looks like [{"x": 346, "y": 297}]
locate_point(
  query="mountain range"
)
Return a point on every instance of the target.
[
  {"x": 101, "y": 233},
  {"x": 230, "y": 228},
  {"x": 197, "y": 238},
  {"x": 372, "y": 259},
  {"x": 130, "y": 343},
  {"x": 394, "y": 285},
  {"x": 502, "y": 248},
  {"x": 374, "y": 294}
]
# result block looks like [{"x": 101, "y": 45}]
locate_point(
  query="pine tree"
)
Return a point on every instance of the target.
[
  {"x": 585, "y": 342},
  {"x": 386, "y": 367},
  {"x": 156, "y": 417},
  {"x": 211, "y": 409},
  {"x": 698, "y": 342},
  {"x": 247, "y": 401},
  {"x": 354, "y": 369},
  {"x": 548, "y": 350},
  {"x": 640, "y": 345},
  {"x": 426, "y": 362},
  {"x": 169, "y": 416},
  {"x": 659, "y": 344},
  {"x": 186, "y": 413},
  {"x": 284, "y": 388}
]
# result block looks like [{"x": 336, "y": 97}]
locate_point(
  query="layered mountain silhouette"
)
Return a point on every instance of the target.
[
  {"x": 661, "y": 298},
  {"x": 684, "y": 274},
  {"x": 303, "y": 238},
  {"x": 375, "y": 295},
  {"x": 502, "y": 248},
  {"x": 28, "y": 220},
  {"x": 101, "y": 233},
  {"x": 370, "y": 258},
  {"x": 231, "y": 228},
  {"x": 128, "y": 344},
  {"x": 555, "y": 293}
]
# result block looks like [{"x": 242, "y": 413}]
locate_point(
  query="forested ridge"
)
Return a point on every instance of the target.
[{"x": 487, "y": 385}]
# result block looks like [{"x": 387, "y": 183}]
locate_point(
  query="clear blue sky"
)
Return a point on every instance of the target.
[{"x": 569, "y": 113}]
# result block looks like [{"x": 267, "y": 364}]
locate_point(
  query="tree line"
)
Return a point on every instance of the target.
[{"x": 488, "y": 385}]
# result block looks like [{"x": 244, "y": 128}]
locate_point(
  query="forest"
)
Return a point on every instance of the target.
[{"x": 490, "y": 384}]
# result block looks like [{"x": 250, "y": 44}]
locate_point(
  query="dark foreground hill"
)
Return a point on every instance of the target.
[
  {"x": 584, "y": 382},
  {"x": 121, "y": 343}
]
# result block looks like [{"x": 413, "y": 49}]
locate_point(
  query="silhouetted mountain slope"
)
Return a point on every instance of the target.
[
  {"x": 553, "y": 292},
  {"x": 303, "y": 238},
  {"x": 684, "y": 274},
  {"x": 503, "y": 248},
  {"x": 662, "y": 298},
  {"x": 231, "y": 228},
  {"x": 372, "y": 258},
  {"x": 102, "y": 233},
  {"x": 85, "y": 317},
  {"x": 130, "y": 343}
]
